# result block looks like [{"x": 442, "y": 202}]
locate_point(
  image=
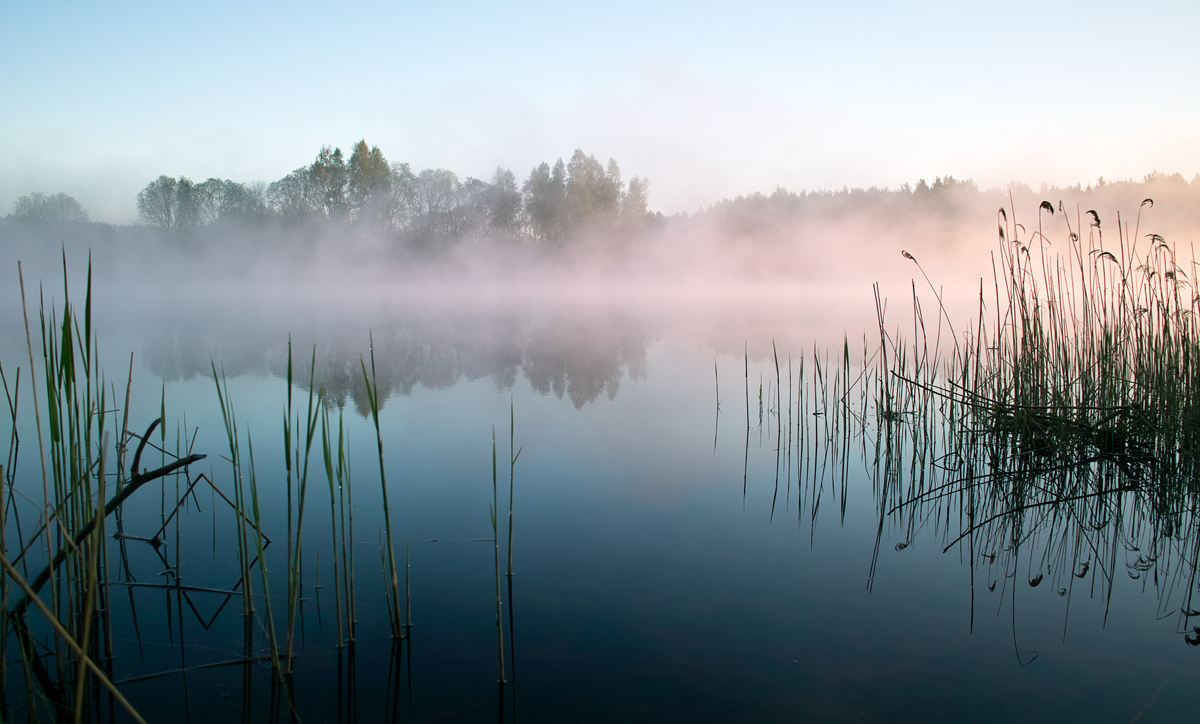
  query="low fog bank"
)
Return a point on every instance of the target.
[{"x": 796, "y": 268}]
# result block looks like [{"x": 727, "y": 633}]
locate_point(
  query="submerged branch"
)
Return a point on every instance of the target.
[{"x": 135, "y": 482}]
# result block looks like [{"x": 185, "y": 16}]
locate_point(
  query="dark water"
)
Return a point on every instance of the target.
[{"x": 672, "y": 561}]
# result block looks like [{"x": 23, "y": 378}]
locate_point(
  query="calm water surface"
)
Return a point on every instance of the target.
[{"x": 672, "y": 561}]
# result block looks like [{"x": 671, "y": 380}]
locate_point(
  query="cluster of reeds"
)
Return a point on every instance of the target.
[
  {"x": 1056, "y": 439},
  {"x": 66, "y": 652},
  {"x": 300, "y": 440},
  {"x": 1064, "y": 423},
  {"x": 56, "y": 587},
  {"x": 815, "y": 411}
]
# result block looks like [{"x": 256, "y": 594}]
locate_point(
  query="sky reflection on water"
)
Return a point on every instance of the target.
[{"x": 648, "y": 585}]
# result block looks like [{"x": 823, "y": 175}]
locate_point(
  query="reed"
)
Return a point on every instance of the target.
[
  {"x": 493, "y": 509},
  {"x": 347, "y": 528},
  {"x": 512, "y": 465},
  {"x": 309, "y": 429},
  {"x": 239, "y": 497},
  {"x": 392, "y": 586},
  {"x": 717, "y": 386},
  {"x": 6, "y": 479},
  {"x": 746, "y": 361},
  {"x": 1064, "y": 423},
  {"x": 69, "y": 640},
  {"x": 280, "y": 671},
  {"x": 246, "y": 482},
  {"x": 333, "y": 474}
]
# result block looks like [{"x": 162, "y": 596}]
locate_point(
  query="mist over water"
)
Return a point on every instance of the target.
[{"x": 773, "y": 262}]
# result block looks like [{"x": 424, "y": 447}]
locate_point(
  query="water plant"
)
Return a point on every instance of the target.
[
  {"x": 493, "y": 510},
  {"x": 1064, "y": 423},
  {"x": 71, "y": 529},
  {"x": 88, "y": 476},
  {"x": 513, "y": 454},
  {"x": 392, "y": 584}
]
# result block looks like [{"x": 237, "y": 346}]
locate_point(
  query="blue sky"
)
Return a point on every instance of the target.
[{"x": 707, "y": 99}]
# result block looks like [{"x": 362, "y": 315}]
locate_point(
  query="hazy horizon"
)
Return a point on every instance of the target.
[{"x": 708, "y": 102}]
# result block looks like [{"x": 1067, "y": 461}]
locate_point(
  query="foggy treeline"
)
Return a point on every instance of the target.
[
  {"x": 365, "y": 233},
  {"x": 947, "y": 199},
  {"x": 421, "y": 211},
  {"x": 39, "y": 207},
  {"x": 560, "y": 206}
]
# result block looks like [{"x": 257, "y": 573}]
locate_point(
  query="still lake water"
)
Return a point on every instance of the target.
[{"x": 672, "y": 562}]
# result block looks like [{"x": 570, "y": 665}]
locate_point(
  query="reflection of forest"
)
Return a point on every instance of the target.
[{"x": 579, "y": 358}]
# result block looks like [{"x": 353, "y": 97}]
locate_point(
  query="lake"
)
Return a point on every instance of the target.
[{"x": 713, "y": 518}]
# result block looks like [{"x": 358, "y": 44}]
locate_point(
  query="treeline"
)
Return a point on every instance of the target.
[
  {"x": 422, "y": 209},
  {"x": 581, "y": 198},
  {"x": 38, "y": 206},
  {"x": 946, "y": 195},
  {"x": 754, "y": 212}
]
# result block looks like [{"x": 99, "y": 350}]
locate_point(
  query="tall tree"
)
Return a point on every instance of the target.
[
  {"x": 401, "y": 200},
  {"x": 295, "y": 197},
  {"x": 225, "y": 200},
  {"x": 593, "y": 193},
  {"x": 545, "y": 194},
  {"x": 210, "y": 198},
  {"x": 189, "y": 204},
  {"x": 156, "y": 202},
  {"x": 369, "y": 181},
  {"x": 436, "y": 197},
  {"x": 635, "y": 204},
  {"x": 504, "y": 203},
  {"x": 472, "y": 217},
  {"x": 329, "y": 176},
  {"x": 245, "y": 201}
]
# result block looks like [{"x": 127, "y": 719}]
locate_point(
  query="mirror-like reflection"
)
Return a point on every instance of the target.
[{"x": 579, "y": 359}]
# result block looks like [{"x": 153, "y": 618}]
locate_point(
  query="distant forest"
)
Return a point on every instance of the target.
[
  {"x": 555, "y": 206},
  {"x": 422, "y": 210}
]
